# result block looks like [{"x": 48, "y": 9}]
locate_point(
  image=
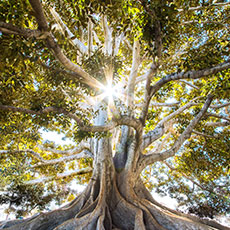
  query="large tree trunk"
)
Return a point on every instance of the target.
[{"x": 112, "y": 200}]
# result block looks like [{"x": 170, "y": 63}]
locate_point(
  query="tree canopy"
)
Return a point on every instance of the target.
[{"x": 142, "y": 90}]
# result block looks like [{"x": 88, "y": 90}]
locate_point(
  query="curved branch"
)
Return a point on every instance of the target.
[
  {"x": 218, "y": 124},
  {"x": 123, "y": 120},
  {"x": 190, "y": 84},
  {"x": 220, "y": 4},
  {"x": 160, "y": 129},
  {"x": 60, "y": 176},
  {"x": 153, "y": 157},
  {"x": 189, "y": 75},
  {"x": 133, "y": 73},
  {"x": 179, "y": 76},
  {"x": 27, "y": 33},
  {"x": 218, "y": 116},
  {"x": 219, "y": 106},
  {"x": 75, "y": 41},
  {"x": 83, "y": 154},
  {"x": 76, "y": 150},
  {"x": 52, "y": 44},
  {"x": 204, "y": 134},
  {"x": 33, "y": 153}
]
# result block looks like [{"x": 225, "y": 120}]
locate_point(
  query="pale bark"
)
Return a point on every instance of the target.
[
  {"x": 82, "y": 146},
  {"x": 189, "y": 75},
  {"x": 83, "y": 154},
  {"x": 153, "y": 157},
  {"x": 90, "y": 37},
  {"x": 216, "y": 4},
  {"x": 76, "y": 42},
  {"x": 60, "y": 176},
  {"x": 115, "y": 197},
  {"x": 219, "y": 106},
  {"x": 160, "y": 129},
  {"x": 217, "y": 124},
  {"x": 33, "y": 153},
  {"x": 190, "y": 84},
  {"x": 218, "y": 116},
  {"x": 108, "y": 48}
]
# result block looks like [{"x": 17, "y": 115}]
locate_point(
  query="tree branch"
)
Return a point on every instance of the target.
[
  {"x": 220, "y": 4},
  {"x": 133, "y": 73},
  {"x": 159, "y": 130},
  {"x": 203, "y": 134},
  {"x": 27, "y": 33},
  {"x": 83, "y": 154},
  {"x": 52, "y": 44},
  {"x": 217, "y": 124},
  {"x": 189, "y": 75},
  {"x": 147, "y": 96},
  {"x": 153, "y": 157},
  {"x": 33, "y": 153},
  {"x": 220, "y": 106},
  {"x": 218, "y": 116},
  {"x": 90, "y": 37},
  {"x": 108, "y": 37},
  {"x": 75, "y": 41},
  {"x": 190, "y": 84},
  {"x": 118, "y": 41},
  {"x": 60, "y": 176},
  {"x": 76, "y": 150},
  {"x": 122, "y": 120}
]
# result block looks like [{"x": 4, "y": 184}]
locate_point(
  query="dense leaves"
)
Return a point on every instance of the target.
[{"x": 177, "y": 38}]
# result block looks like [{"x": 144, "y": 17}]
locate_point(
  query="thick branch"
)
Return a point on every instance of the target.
[
  {"x": 75, "y": 41},
  {"x": 190, "y": 84},
  {"x": 147, "y": 96},
  {"x": 51, "y": 43},
  {"x": 123, "y": 120},
  {"x": 27, "y": 33},
  {"x": 218, "y": 116},
  {"x": 220, "y": 4},
  {"x": 60, "y": 176},
  {"x": 189, "y": 75},
  {"x": 108, "y": 37},
  {"x": 118, "y": 41},
  {"x": 178, "y": 76},
  {"x": 68, "y": 152},
  {"x": 133, "y": 73},
  {"x": 83, "y": 154},
  {"x": 220, "y": 106},
  {"x": 33, "y": 153},
  {"x": 218, "y": 124},
  {"x": 153, "y": 157},
  {"x": 203, "y": 134},
  {"x": 159, "y": 130}
]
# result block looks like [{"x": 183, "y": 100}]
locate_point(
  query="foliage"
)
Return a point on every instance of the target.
[{"x": 32, "y": 78}]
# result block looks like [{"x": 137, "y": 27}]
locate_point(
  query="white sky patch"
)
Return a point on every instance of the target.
[{"x": 59, "y": 139}]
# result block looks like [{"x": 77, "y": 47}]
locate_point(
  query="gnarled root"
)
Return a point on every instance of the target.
[{"x": 104, "y": 207}]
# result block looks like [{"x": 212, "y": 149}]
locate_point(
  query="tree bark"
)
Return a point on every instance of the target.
[{"x": 112, "y": 200}]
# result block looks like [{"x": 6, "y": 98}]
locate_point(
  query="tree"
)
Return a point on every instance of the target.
[{"x": 135, "y": 84}]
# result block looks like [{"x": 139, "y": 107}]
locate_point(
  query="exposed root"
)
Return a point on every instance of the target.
[
  {"x": 139, "y": 222},
  {"x": 96, "y": 208}
]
